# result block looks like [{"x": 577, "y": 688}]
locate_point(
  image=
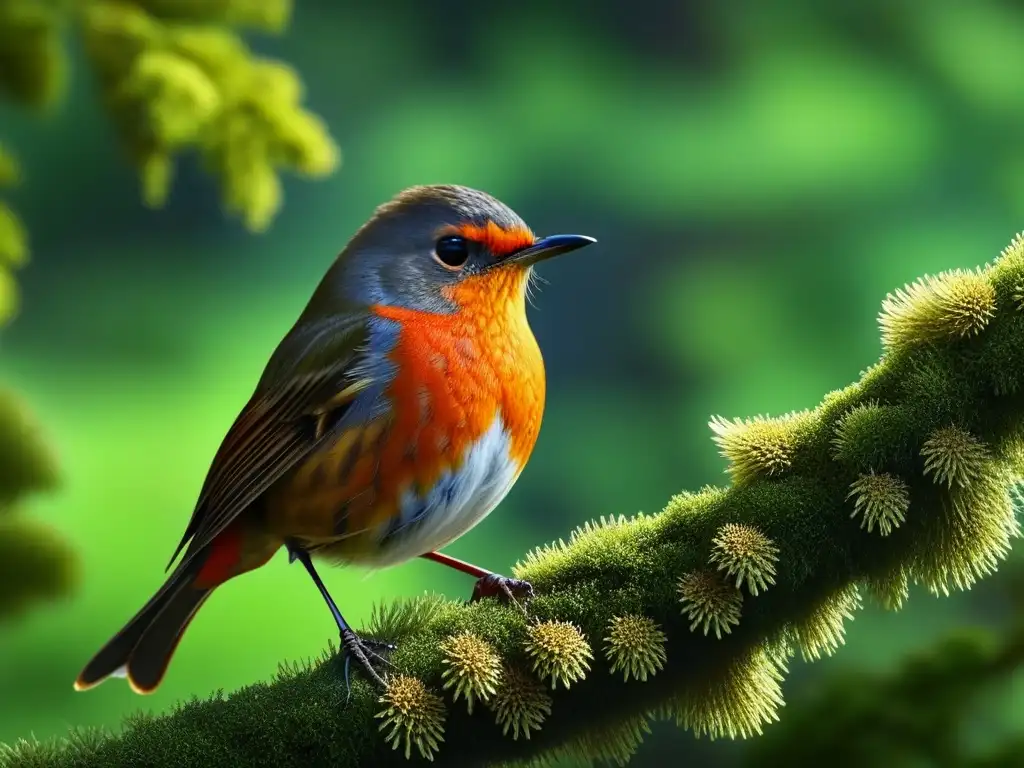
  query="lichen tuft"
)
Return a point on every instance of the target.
[
  {"x": 881, "y": 500},
  {"x": 635, "y": 646},
  {"x": 953, "y": 456},
  {"x": 889, "y": 590},
  {"x": 710, "y": 602},
  {"x": 414, "y": 715},
  {"x": 761, "y": 446},
  {"x": 471, "y": 666},
  {"x": 746, "y": 553},
  {"x": 823, "y": 631},
  {"x": 615, "y": 744},
  {"x": 520, "y": 704},
  {"x": 973, "y": 534},
  {"x": 737, "y": 704},
  {"x": 559, "y": 651},
  {"x": 955, "y": 304},
  {"x": 1018, "y": 297}
]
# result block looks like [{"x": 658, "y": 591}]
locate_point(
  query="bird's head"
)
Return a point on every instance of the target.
[{"x": 431, "y": 248}]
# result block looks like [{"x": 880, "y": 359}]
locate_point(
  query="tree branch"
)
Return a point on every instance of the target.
[{"x": 904, "y": 476}]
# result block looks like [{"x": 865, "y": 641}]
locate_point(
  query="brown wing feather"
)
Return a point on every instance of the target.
[{"x": 274, "y": 431}]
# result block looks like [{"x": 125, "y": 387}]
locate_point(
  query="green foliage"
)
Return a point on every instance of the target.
[
  {"x": 26, "y": 462},
  {"x": 35, "y": 564},
  {"x": 793, "y": 521},
  {"x": 174, "y": 79},
  {"x": 32, "y": 66},
  {"x": 13, "y": 239},
  {"x": 172, "y": 86}
]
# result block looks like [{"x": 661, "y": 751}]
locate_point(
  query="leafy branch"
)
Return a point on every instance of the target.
[
  {"x": 691, "y": 614},
  {"x": 175, "y": 78}
]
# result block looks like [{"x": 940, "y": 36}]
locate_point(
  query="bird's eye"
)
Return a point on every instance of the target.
[{"x": 452, "y": 251}]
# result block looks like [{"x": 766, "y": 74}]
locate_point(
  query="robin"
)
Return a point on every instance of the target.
[{"x": 393, "y": 417}]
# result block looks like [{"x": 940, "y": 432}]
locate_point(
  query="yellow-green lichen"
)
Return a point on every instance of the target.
[
  {"x": 710, "y": 602},
  {"x": 974, "y": 529},
  {"x": 890, "y": 590},
  {"x": 823, "y": 631},
  {"x": 471, "y": 666},
  {"x": 615, "y": 744},
  {"x": 559, "y": 652},
  {"x": 955, "y": 304},
  {"x": 412, "y": 717},
  {"x": 880, "y": 500},
  {"x": 761, "y": 446},
  {"x": 635, "y": 646},
  {"x": 953, "y": 456},
  {"x": 520, "y": 704},
  {"x": 738, "y": 703},
  {"x": 743, "y": 552}
]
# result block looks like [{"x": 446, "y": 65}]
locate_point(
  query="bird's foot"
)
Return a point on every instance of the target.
[
  {"x": 366, "y": 653},
  {"x": 503, "y": 588}
]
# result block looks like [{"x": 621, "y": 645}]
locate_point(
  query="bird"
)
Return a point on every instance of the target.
[{"x": 395, "y": 415}]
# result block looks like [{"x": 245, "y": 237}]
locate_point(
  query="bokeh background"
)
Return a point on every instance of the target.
[{"x": 758, "y": 176}]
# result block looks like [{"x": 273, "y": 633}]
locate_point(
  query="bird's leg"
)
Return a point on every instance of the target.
[
  {"x": 352, "y": 645},
  {"x": 488, "y": 584}
]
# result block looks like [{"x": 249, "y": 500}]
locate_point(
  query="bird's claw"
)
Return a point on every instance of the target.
[
  {"x": 365, "y": 652},
  {"x": 503, "y": 588}
]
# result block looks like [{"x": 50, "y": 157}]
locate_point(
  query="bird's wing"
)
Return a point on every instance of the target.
[{"x": 283, "y": 422}]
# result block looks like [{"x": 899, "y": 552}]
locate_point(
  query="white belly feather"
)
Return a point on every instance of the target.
[{"x": 458, "y": 501}]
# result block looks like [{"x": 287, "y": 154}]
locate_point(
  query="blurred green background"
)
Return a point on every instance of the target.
[{"x": 758, "y": 178}]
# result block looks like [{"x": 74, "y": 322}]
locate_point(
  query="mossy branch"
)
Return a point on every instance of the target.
[{"x": 689, "y": 614}]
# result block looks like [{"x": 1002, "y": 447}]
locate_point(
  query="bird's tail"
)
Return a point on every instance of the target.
[{"x": 143, "y": 649}]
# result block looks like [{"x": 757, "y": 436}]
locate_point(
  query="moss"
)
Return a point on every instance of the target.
[{"x": 785, "y": 518}]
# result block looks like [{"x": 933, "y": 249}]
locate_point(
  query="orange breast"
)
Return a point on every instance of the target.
[
  {"x": 455, "y": 374},
  {"x": 466, "y": 367}
]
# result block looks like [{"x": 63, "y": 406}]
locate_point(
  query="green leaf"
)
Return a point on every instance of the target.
[
  {"x": 267, "y": 15},
  {"x": 35, "y": 564},
  {"x": 32, "y": 64},
  {"x": 13, "y": 238},
  {"x": 10, "y": 171},
  {"x": 26, "y": 461},
  {"x": 8, "y": 296}
]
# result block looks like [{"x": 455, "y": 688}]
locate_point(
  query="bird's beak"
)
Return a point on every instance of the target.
[{"x": 547, "y": 247}]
